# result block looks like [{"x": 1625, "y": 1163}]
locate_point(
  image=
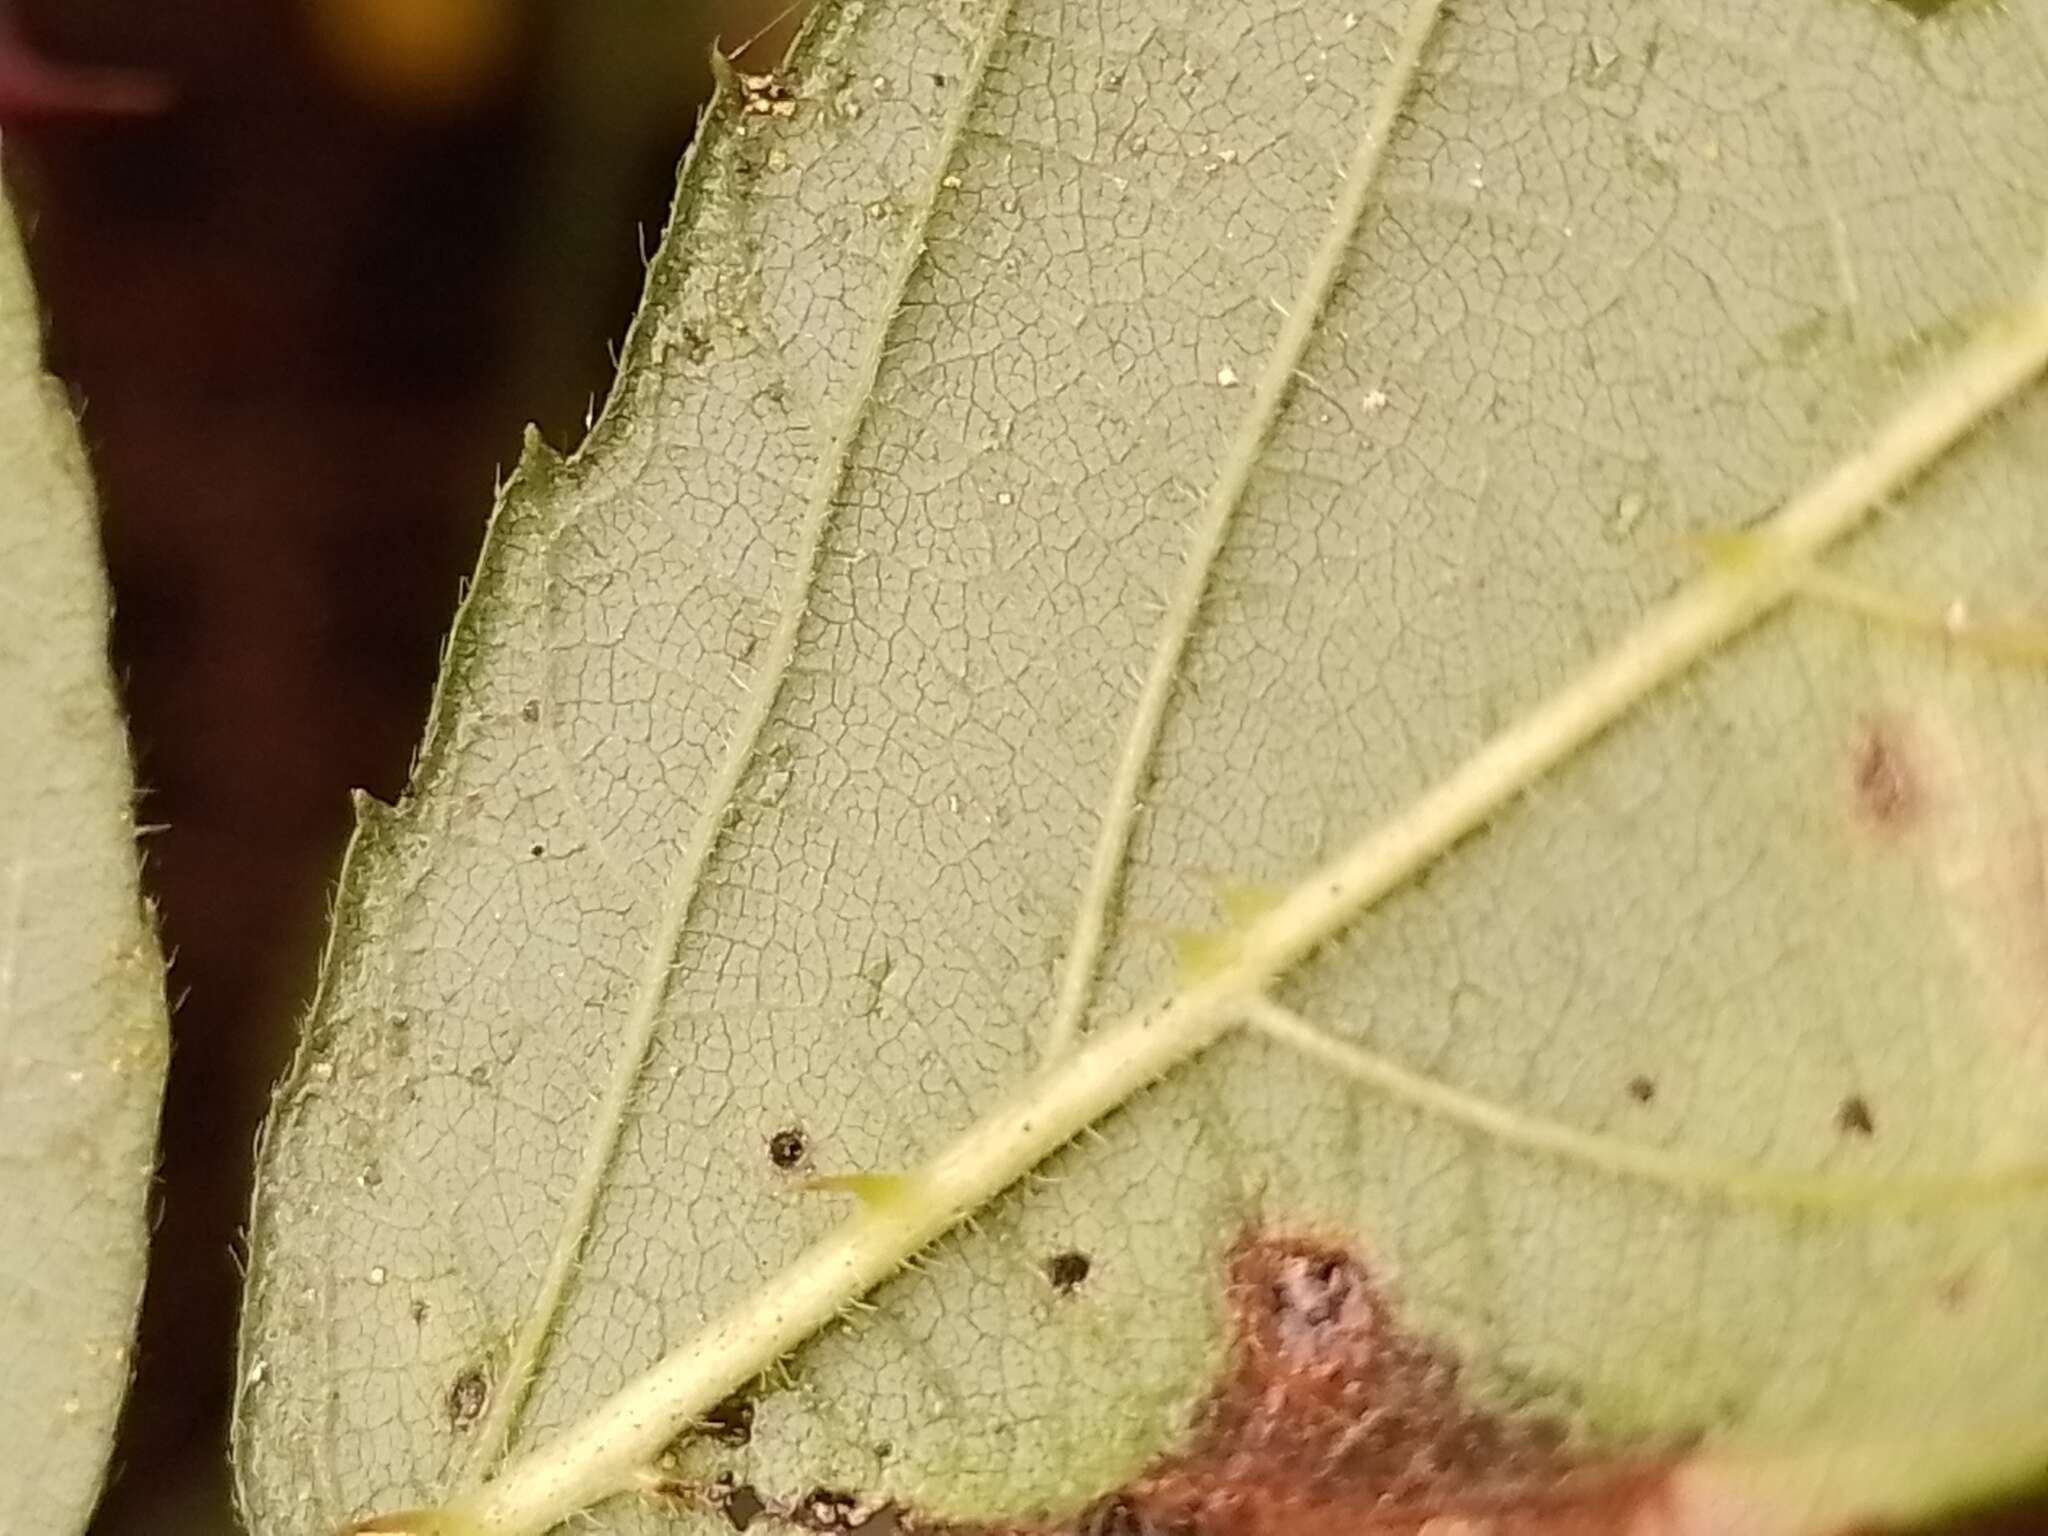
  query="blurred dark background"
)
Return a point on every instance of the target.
[{"x": 309, "y": 268}]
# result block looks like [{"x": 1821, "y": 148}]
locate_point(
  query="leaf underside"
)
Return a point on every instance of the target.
[
  {"x": 753, "y": 833},
  {"x": 82, "y": 1026}
]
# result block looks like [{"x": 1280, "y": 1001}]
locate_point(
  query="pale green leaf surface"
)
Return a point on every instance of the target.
[
  {"x": 804, "y": 685},
  {"x": 82, "y": 1028}
]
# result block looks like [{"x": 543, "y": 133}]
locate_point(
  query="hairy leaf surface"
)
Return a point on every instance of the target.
[
  {"x": 82, "y": 1029},
  {"x": 1070, "y": 476}
]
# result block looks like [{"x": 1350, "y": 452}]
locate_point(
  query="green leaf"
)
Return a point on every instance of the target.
[
  {"x": 1171, "y": 544},
  {"x": 82, "y": 1027}
]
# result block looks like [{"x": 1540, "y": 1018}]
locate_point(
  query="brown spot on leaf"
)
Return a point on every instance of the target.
[
  {"x": 1853, "y": 1117},
  {"x": 1067, "y": 1270},
  {"x": 1331, "y": 1421},
  {"x": 1955, "y": 1291},
  {"x": 1889, "y": 795},
  {"x": 1642, "y": 1089},
  {"x": 786, "y": 1147}
]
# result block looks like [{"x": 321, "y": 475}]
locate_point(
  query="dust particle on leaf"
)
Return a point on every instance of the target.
[
  {"x": 1641, "y": 1088},
  {"x": 530, "y": 711},
  {"x": 786, "y": 1147}
]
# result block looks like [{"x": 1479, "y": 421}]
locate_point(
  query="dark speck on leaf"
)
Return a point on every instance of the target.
[
  {"x": 786, "y": 1148},
  {"x": 742, "y": 1506},
  {"x": 731, "y": 1422},
  {"x": 1641, "y": 1089},
  {"x": 1853, "y": 1117},
  {"x": 1067, "y": 1270},
  {"x": 467, "y": 1395},
  {"x": 530, "y": 711}
]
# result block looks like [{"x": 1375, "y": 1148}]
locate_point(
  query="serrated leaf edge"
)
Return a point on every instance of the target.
[{"x": 686, "y": 882}]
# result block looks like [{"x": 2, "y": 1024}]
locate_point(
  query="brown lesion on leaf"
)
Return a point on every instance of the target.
[
  {"x": 1330, "y": 1420},
  {"x": 1965, "y": 795}
]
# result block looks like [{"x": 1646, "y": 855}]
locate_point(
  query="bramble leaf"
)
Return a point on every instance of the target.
[{"x": 1075, "y": 463}]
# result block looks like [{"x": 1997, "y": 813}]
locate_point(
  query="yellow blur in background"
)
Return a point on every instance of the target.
[{"x": 420, "y": 54}]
